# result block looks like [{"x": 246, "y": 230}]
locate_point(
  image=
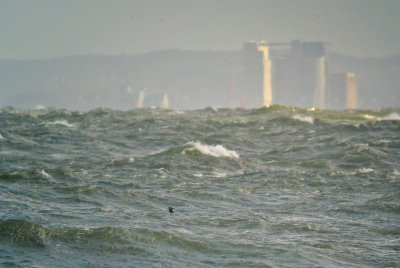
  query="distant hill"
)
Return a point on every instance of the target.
[{"x": 192, "y": 79}]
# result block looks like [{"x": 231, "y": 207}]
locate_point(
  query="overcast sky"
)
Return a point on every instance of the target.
[{"x": 53, "y": 28}]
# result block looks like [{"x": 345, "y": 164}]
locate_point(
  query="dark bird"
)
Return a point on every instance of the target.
[{"x": 171, "y": 210}]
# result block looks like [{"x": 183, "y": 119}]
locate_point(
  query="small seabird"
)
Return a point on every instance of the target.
[{"x": 171, "y": 210}]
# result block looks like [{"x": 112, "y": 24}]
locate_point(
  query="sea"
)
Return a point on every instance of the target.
[{"x": 272, "y": 187}]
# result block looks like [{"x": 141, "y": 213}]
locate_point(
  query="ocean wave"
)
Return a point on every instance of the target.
[
  {"x": 303, "y": 118},
  {"x": 61, "y": 122},
  {"x": 213, "y": 150},
  {"x": 20, "y": 175},
  {"x": 368, "y": 117},
  {"x": 44, "y": 174},
  {"x": 122, "y": 161},
  {"x": 28, "y": 174},
  {"x": 24, "y": 233},
  {"x": 78, "y": 189},
  {"x": 103, "y": 191},
  {"x": 391, "y": 117},
  {"x": 365, "y": 170}
]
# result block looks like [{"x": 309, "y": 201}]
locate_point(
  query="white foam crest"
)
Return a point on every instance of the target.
[
  {"x": 395, "y": 175},
  {"x": 368, "y": 117},
  {"x": 61, "y": 122},
  {"x": 390, "y": 117},
  {"x": 45, "y": 174},
  {"x": 1, "y": 137},
  {"x": 219, "y": 174},
  {"x": 122, "y": 161},
  {"x": 213, "y": 150},
  {"x": 176, "y": 112},
  {"x": 40, "y": 107},
  {"x": 303, "y": 118},
  {"x": 365, "y": 170}
]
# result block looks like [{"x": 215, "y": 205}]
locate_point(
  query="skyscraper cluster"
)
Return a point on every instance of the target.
[{"x": 294, "y": 73}]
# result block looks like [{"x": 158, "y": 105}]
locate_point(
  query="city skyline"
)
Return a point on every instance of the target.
[
  {"x": 296, "y": 73},
  {"x": 46, "y": 29}
]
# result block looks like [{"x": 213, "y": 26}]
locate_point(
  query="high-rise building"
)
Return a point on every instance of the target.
[
  {"x": 256, "y": 77},
  {"x": 165, "y": 102},
  {"x": 140, "y": 99},
  {"x": 342, "y": 91},
  {"x": 300, "y": 76},
  {"x": 352, "y": 91}
]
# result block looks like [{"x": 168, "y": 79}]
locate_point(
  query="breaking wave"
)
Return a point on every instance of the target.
[
  {"x": 61, "y": 123},
  {"x": 213, "y": 150},
  {"x": 303, "y": 118},
  {"x": 392, "y": 116},
  {"x": 24, "y": 233},
  {"x": 95, "y": 187}
]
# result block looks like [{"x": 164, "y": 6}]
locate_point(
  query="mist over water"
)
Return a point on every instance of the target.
[{"x": 276, "y": 187}]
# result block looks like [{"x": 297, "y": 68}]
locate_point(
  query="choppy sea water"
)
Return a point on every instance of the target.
[{"x": 276, "y": 187}]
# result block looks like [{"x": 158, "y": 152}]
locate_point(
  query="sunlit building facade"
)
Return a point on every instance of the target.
[
  {"x": 343, "y": 91},
  {"x": 300, "y": 76},
  {"x": 256, "y": 75},
  {"x": 294, "y": 74}
]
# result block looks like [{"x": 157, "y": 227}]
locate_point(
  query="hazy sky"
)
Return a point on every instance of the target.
[{"x": 48, "y": 28}]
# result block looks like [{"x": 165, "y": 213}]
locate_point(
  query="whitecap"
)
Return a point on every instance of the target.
[
  {"x": 184, "y": 231},
  {"x": 45, "y": 174},
  {"x": 177, "y": 112},
  {"x": 61, "y": 122},
  {"x": 368, "y": 117},
  {"x": 40, "y": 107},
  {"x": 362, "y": 147},
  {"x": 219, "y": 174},
  {"x": 122, "y": 161},
  {"x": 365, "y": 170},
  {"x": 393, "y": 176},
  {"x": 391, "y": 117},
  {"x": 1, "y": 137},
  {"x": 214, "y": 109},
  {"x": 303, "y": 118},
  {"x": 213, "y": 150}
]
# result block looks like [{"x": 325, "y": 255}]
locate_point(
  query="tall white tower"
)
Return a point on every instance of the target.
[
  {"x": 267, "y": 85},
  {"x": 256, "y": 80},
  {"x": 352, "y": 91},
  {"x": 319, "y": 86}
]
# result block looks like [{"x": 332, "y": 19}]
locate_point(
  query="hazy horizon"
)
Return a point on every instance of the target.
[
  {"x": 47, "y": 29},
  {"x": 191, "y": 52}
]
